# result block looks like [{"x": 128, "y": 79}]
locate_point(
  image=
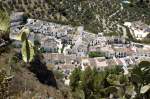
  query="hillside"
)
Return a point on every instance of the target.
[
  {"x": 28, "y": 82},
  {"x": 96, "y": 15},
  {"x": 37, "y": 80}
]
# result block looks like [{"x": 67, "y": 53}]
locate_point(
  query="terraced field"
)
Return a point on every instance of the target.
[{"x": 95, "y": 15}]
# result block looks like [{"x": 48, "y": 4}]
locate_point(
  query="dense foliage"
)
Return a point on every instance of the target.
[
  {"x": 112, "y": 83},
  {"x": 96, "y": 54}
]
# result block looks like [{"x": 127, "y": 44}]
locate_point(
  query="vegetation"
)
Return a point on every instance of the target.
[
  {"x": 28, "y": 50},
  {"x": 112, "y": 83},
  {"x": 37, "y": 81},
  {"x": 94, "y": 16},
  {"x": 62, "y": 49},
  {"x": 75, "y": 78},
  {"x": 42, "y": 50},
  {"x": 131, "y": 38},
  {"x": 96, "y": 54},
  {"x": 34, "y": 80},
  {"x": 4, "y": 21},
  {"x": 5, "y": 81},
  {"x": 145, "y": 41},
  {"x": 4, "y": 29},
  {"x": 29, "y": 81},
  {"x": 112, "y": 34},
  {"x": 58, "y": 74}
]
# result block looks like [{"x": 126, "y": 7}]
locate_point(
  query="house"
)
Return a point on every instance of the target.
[
  {"x": 99, "y": 63},
  {"x": 49, "y": 44},
  {"x": 80, "y": 49},
  {"x": 99, "y": 40},
  {"x": 116, "y": 40},
  {"x": 117, "y": 52},
  {"x": 140, "y": 53},
  {"x": 138, "y": 29},
  {"x": 16, "y": 18}
]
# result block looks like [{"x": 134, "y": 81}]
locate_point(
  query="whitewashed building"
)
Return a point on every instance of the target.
[{"x": 138, "y": 29}]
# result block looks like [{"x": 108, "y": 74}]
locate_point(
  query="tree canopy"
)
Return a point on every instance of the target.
[{"x": 112, "y": 83}]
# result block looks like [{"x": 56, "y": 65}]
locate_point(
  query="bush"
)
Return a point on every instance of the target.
[
  {"x": 4, "y": 84},
  {"x": 112, "y": 34},
  {"x": 94, "y": 84},
  {"x": 5, "y": 21},
  {"x": 96, "y": 54},
  {"x": 58, "y": 74}
]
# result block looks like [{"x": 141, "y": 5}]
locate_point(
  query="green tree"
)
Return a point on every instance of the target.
[
  {"x": 140, "y": 76},
  {"x": 28, "y": 50},
  {"x": 144, "y": 64},
  {"x": 75, "y": 79},
  {"x": 96, "y": 54},
  {"x": 112, "y": 83},
  {"x": 87, "y": 83}
]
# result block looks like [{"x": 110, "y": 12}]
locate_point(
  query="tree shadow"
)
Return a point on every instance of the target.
[{"x": 44, "y": 75}]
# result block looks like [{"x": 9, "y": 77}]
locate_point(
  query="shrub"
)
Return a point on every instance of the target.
[{"x": 96, "y": 54}]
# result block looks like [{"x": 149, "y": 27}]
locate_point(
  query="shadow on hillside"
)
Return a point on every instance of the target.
[{"x": 44, "y": 75}]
